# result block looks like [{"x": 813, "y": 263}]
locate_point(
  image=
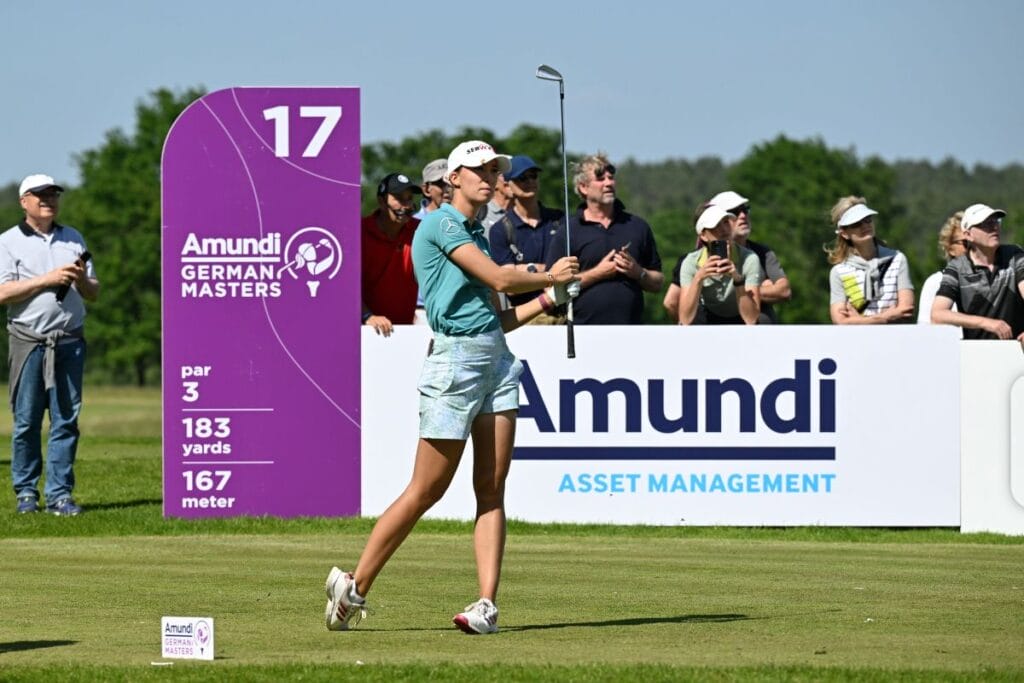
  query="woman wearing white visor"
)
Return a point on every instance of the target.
[{"x": 869, "y": 282}]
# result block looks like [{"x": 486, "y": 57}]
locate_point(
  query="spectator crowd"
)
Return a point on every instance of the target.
[{"x": 727, "y": 279}]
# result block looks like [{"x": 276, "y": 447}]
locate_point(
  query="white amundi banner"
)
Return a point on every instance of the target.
[{"x": 784, "y": 425}]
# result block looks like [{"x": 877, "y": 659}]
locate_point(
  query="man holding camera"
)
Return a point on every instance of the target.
[{"x": 45, "y": 273}]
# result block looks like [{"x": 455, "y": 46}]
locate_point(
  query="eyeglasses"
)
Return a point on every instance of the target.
[
  {"x": 600, "y": 173},
  {"x": 741, "y": 209},
  {"x": 989, "y": 225}
]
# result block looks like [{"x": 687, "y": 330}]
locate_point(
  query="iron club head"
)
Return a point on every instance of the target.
[{"x": 546, "y": 73}]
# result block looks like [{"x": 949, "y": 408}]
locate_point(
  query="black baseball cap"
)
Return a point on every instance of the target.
[{"x": 396, "y": 183}]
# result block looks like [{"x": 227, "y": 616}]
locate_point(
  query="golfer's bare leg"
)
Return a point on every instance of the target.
[
  {"x": 493, "y": 437},
  {"x": 436, "y": 462}
]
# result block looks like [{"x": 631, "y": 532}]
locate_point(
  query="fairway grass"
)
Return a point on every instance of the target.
[
  {"x": 82, "y": 598},
  {"x": 567, "y": 600}
]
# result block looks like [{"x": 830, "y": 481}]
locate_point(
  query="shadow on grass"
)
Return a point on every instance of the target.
[
  {"x": 639, "y": 621},
  {"x": 123, "y": 504},
  {"x": 22, "y": 645}
]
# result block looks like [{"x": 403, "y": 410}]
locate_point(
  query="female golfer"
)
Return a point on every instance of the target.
[{"x": 469, "y": 385}]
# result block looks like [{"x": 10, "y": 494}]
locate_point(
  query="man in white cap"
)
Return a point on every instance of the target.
[
  {"x": 986, "y": 283},
  {"x": 45, "y": 273}
]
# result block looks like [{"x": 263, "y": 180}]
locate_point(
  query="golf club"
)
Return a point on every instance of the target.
[{"x": 546, "y": 73}]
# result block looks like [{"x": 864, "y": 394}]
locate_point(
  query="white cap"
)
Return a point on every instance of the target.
[
  {"x": 474, "y": 153},
  {"x": 855, "y": 214},
  {"x": 435, "y": 171},
  {"x": 976, "y": 214},
  {"x": 711, "y": 217},
  {"x": 36, "y": 182},
  {"x": 728, "y": 200}
]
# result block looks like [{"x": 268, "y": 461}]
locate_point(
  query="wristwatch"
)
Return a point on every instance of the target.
[
  {"x": 366, "y": 316},
  {"x": 531, "y": 267}
]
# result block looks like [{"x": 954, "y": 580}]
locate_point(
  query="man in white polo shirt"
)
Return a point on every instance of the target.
[{"x": 45, "y": 273}]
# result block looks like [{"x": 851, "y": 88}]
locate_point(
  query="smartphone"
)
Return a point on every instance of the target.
[
  {"x": 63, "y": 290},
  {"x": 719, "y": 248},
  {"x": 625, "y": 247}
]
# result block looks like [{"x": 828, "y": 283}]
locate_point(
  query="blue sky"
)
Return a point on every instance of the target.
[{"x": 901, "y": 79}]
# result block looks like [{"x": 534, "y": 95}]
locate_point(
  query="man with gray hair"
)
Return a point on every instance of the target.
[
  {"x": 618, "y": 257},
  {"x": 45, "y": 274}
]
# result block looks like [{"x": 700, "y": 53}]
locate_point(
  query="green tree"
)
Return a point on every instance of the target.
[{"x": 117, "y": 208}]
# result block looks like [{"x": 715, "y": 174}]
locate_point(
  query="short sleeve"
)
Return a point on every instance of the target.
[
  {"x": 498, "y": 238},
  {"x": 687, "y": 270},
  {"x": 773, "y": 267},
  {"x": 837, "y": 294},
  {"x": 752, "y": 275}
]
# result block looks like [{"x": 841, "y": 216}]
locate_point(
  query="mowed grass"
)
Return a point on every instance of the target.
[{"x": 81, "y": 599}]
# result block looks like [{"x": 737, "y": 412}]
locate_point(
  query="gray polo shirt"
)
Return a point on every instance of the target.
[{"x": 24, "y": 254}]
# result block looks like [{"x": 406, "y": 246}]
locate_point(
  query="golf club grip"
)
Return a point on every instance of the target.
[{"x": 570, "y": 337}]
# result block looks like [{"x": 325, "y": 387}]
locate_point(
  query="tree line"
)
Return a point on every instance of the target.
[{"x": 792, "y": 184}]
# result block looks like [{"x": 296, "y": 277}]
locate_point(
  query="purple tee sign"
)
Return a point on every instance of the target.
[{"x": 261, "y": 304}]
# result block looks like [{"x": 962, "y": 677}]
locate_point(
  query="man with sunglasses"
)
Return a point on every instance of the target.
[
  {"x": 519, "y": 239},
  {"x": 986, "y": 283},
  {"x": 45, "y": 274},
  {"x": 617, "y": 253}
]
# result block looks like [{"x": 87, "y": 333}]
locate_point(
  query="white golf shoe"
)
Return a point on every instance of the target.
[
  {"x": 343, "y": 607},
  {"x": 480, "y": 617}
]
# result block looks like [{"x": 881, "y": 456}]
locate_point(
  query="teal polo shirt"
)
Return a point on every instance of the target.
[{"x": 456, "y": 302}]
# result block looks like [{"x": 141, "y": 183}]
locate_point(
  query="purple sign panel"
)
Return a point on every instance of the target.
[{"x": 261, "y": 304}]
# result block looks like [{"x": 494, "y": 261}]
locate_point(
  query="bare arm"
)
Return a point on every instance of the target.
[
  {"x": 671, "y": 301},
  {"x": 775, "y": 292},
  {"x": 844, "y": 314},
  {"x": 509, "y": 280},
  {"x": 943, "y": 314},
  {"x": 17, "y": 291},
  {"x": 748, "y": 299}
]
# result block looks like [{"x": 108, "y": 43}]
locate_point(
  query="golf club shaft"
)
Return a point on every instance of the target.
[{"x": 570, "y": 335}]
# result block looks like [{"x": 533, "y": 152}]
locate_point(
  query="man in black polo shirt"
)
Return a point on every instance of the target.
[
  {"x": 45, "y": 274},
  {"x": 986, "y": 283},
  {"x": 618, "y": 257}
]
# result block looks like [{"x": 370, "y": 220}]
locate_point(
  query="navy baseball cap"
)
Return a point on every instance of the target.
[{"x": 520, "y": 165}]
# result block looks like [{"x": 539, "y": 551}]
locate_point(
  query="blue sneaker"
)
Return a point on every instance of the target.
[
  {"x": 27, "y": 504},
  {"x": 65, "y": 507}
]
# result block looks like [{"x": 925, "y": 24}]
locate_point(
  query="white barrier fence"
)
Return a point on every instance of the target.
[{"x": 785, "y": 425}]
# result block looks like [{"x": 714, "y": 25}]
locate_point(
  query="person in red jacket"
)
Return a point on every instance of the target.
[{"x": 389, "y": 285}]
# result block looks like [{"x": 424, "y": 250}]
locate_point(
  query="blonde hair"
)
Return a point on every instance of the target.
[
  {"x": 840, "y": 247},
  {"x": 581, "y": 169},
  {"x": 951, "y": 225}
]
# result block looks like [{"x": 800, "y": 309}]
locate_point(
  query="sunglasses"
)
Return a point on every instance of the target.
[
  {"x": 600, "y": 173},
  {"x": 989, "y": 224},
  {"x": 47, "y": 194},
  {"x": 741, "y": 209},
  {"x": 529, "y": 176},
  {"x": 863, "y": 222}
]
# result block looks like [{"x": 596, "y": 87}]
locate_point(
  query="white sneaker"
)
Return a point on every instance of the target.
[
  {"x": 480, "y": 617},
  {"x": 343, "y": 607}
]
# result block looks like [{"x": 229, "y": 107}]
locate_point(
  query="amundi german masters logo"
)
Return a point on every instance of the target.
[{"x": 313, "y": 254}]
